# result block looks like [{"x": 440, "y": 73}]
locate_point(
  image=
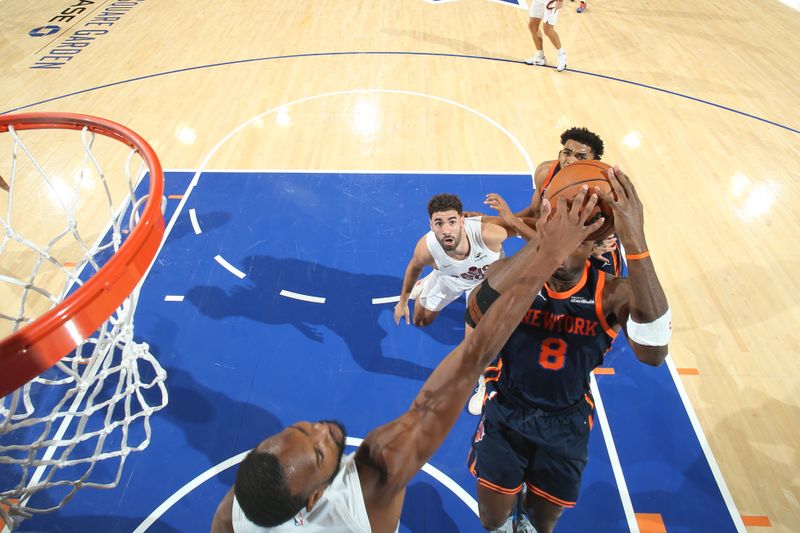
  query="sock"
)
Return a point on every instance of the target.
[
  {"x": 561, "y": 51},
  {"x": 539, "y": 53}
]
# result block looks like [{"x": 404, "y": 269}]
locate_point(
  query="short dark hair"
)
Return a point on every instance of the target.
[
  {"x": 584, "y": 136},
  {"x": 444, "y": 202},
  {"x": 262, "y": 491}
]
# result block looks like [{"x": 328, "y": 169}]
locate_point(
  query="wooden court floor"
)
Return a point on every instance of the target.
[{"x": 697, "y": 101}]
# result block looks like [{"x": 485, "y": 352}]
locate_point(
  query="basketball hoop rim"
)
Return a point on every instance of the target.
[{"x": 39, "y": 345}]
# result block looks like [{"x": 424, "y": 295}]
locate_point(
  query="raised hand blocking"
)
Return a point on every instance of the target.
[{"x": 563, "y": 230}]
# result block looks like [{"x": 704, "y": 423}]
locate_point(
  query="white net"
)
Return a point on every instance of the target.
[{"x": 73, "y": 425}]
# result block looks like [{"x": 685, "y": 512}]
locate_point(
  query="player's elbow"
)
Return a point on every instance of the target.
[{"x": 651, "y": 355}]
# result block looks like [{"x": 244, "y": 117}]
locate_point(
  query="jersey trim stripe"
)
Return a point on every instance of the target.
[
  {"x": 598, "y": 305},
  {"x": 549, "y": 497},
  {"x": 569, "y": 292},
  {"x": 497, "y": 488}
]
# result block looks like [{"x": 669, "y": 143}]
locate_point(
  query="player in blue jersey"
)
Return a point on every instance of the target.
[{"x": 534, "y": 430}]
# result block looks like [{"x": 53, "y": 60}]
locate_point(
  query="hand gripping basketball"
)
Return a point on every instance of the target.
[
  {"x": 565, "y": 228},
  {"x": 627, "y": 208},
  {"x": 571, "y": 178}
]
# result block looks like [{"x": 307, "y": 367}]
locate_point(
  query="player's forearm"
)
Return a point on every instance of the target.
[
  {"x": 409, "y": 279},
  {"x": 647, "y": 300},
  {"x": 518, "y": 287},
  {"x": 525, "y": 227},
  {"x": 648, "y": 308}
]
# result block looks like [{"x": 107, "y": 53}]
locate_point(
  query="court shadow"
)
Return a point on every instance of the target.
[
  {"x": 428, "y": 515},
  {"x": 196, "y": 410},
  {"x": 459, "y": 46},
  {"x": 348, "y": 310}
]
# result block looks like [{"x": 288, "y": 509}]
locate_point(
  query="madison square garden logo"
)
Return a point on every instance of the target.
[{"x": 44, "y": 31}]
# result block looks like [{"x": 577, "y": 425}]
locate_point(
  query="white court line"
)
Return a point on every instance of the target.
[
  {"x": 794, "y": 4},
  {"x": 387, "y": 300},
  {"x": 195, "y": 224},
  {"x": 229, "y": 267},
  {"x": 434, "y": 472},
  {"x": 173, "y": 298},
  {"x": 303, "y": 297},
  {"x": 613, "y": 457},
  {"x": 526, "y": 157},
  {"x": 349, "y": 171},
  {"x": 701, "y": 437}
]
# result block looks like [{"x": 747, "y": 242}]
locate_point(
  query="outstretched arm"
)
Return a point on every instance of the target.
[
  {"x": 514, "y": 225},
  {"x": 392, "y": 454},
  {"x": 638, "y": 302},
  {"x": 422, "y": 257}
]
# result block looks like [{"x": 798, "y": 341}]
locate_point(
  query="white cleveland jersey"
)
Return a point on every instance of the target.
[
  {"x": 340, "y": 509},
  {"x": 470, "y": 271}
]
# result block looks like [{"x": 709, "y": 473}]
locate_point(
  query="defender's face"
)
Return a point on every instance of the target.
[
  {"x": 447, "y": 226},
  {"x": 573, "y": 151},
  {"x": 311, "y": 453}
]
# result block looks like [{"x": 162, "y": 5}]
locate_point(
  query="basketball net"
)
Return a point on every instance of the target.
[{"x": 73, "y": 424}]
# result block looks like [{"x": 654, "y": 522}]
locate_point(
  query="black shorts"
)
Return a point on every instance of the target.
[{"x": 547, "y": 451}]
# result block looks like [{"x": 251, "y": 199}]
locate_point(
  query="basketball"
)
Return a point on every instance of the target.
[{"x": 569, "y": 180}]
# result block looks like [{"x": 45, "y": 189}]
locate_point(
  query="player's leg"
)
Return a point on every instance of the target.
[
  {"x": 495, "y": 509},
  {"x": 538, "y": 58},
  {"x": 542, "y": 513},
  {"x": 534, "y": 26},
  {"x": 423, "y": 317},
  {"x": 498, "y": 468},
  {"x": 550, "y": 18},
  {"x": 553, "y": 479},
  {"x": 432, "y": 295},
  {"x": 552, "y": 34}
]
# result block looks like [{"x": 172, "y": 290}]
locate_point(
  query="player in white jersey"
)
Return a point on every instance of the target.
[
  {"x": 545, "y": 11},
  {"x": 297, "y": 481},
  {"x": 459, "y": 249}
]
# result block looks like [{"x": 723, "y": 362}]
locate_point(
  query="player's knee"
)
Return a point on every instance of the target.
[
  {"x": 491, "y": 522},
  {"x": 422, "y": 320}
]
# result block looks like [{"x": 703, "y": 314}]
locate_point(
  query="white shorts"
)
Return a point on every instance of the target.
[
  {"x": 545, "y": 10},
  {"x": 435, "y": 291}
]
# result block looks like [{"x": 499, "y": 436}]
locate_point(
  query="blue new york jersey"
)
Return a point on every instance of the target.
[{"x": 548, "y": 358}]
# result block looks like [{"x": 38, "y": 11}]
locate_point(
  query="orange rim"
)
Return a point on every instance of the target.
[{"x": 39, "y": 345}]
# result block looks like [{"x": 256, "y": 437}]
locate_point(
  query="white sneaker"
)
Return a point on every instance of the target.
[
  {"x": 539, "y": 61},
  {"x": 475, "y": 405},
  {"x": 508, "y": 527},
  {"x": 562, "y": 61},
  {"x": 524, "y": 525}
]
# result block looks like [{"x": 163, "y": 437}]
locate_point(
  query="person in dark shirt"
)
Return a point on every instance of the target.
[{"x": 537, "y": 411}]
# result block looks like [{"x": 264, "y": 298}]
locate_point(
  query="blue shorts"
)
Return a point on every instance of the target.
[{"x": 545, "y": 450}]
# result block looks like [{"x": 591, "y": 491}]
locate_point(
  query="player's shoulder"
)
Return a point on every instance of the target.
[
  {"x": 493, "y": 234},
  {"x": 543, "y": 169}
]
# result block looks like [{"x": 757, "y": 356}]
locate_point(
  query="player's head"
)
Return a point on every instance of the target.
[
  {"x": 447, "y": 221},
  {"x": 572, "y": 267},
  {"x": 579, "y": 144},
  {"x": 289, "y": 471}
]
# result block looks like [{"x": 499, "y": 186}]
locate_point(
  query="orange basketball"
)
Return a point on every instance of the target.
[{"x": 569, "y": 180}]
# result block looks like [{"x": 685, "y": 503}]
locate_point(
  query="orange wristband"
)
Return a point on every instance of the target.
[{"x": 634, "y": 257}]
